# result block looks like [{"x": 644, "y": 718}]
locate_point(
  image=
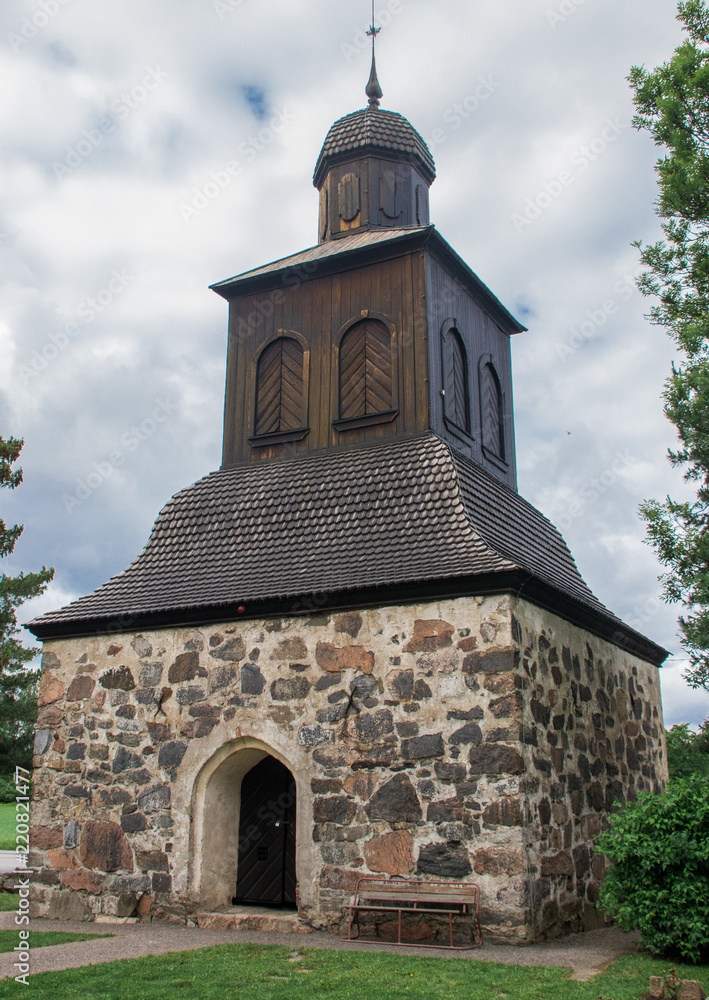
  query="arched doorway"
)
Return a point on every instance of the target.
[
  {"x": 215, "y": 825},
  {"x": 266, "y": 847}
]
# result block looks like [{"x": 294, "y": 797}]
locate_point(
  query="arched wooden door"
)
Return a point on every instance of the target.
[{"x": 266, "y": 867}]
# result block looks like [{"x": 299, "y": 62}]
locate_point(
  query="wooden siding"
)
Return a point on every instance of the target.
[
  {"x": 320, "y": 311},
  {"x": 370, "y": 191},
  {"x": 450, "y": 305}
]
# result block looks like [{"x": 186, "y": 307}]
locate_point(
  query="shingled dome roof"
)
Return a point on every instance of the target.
[{"x": 376, "y": 130}]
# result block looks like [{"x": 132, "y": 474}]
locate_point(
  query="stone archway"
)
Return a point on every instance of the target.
[{"x": 216, "y": 813}]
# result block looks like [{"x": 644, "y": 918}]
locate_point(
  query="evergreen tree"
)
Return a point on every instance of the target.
[
  {"x": 672, "y": 104},
  {"x": 18, "y": 683},
  {"x": 688, "y": 752}
]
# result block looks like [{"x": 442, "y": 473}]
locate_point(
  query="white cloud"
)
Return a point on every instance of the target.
[{"x": 554, "y": 89}]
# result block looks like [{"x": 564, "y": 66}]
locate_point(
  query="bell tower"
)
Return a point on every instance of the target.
[{"x": 380, "y": 331}]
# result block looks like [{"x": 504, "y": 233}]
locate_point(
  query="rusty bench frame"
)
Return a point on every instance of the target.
[{"x": 397, "y": 896}]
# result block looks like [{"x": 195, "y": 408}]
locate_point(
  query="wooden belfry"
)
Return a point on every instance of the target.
[
  {"x": 353, "y": 650},
  {"x": 381, "y": 332}
]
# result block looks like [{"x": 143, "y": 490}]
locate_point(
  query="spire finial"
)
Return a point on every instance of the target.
[{"x": 373, "y": 90}]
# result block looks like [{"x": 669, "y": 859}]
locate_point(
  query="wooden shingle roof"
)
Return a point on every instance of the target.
[
  {"x": 377, "y": 130},
  {"x": 407, "y": 520}
]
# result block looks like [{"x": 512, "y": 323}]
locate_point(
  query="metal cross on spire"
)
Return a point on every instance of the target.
[{"x": 373, "y": 90}]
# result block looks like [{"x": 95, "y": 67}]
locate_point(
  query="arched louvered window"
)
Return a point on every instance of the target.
[
  {"x": 280, "y": 387},
  {"x": 365, "y": 370},
  {"x": 455, "y": 380},
  {"x": 492, "y": 411}
]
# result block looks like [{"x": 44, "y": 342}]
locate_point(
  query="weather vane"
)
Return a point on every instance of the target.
[
  {"x": 372, "y": 30},
  {"x": 373, "y": 90}
]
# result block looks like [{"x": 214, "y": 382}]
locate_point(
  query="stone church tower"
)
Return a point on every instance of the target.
[{"x": 354, "y": 648}]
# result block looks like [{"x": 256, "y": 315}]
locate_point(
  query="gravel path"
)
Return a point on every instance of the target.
[{"x": 587, "y": 954}]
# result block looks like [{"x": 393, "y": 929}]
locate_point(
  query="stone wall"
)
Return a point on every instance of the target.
[
  {"x": 594, "y": 737},
  {"x": 475, "y": 738}
]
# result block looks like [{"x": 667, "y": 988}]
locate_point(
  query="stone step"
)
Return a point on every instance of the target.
[{"x": 252, "y": 918}]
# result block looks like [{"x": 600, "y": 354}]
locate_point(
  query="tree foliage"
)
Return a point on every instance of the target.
[
  {"x": 18, "y": 682},
  {"x": 658, "y": 880},
  {"x": 672, "y": 104},
  {"x": 688, "y": 752}
]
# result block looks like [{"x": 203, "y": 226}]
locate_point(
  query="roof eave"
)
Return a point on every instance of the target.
[
  {"x": 289, "y": 274},
  {"x": 328, "y": 160},
  {"x": 517, "y": 582},
  {"x": 441, "y": 249}
]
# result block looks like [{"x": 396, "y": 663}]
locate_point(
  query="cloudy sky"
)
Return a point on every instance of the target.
[{"x": 116, "y": 115}]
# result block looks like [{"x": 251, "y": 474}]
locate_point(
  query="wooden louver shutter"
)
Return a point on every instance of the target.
[
  {"x": 365, "y": 370},
  {"x": 421, "y": 205},
  {"x": 455, "y": 380},
  {"x": 279, "y": 387},
  {"x": 492, "y": 416},
  {"x": 390, "y": 194},
  {"x": 348, "y": 190}
]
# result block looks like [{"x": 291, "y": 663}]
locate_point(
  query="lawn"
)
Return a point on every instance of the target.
[
  {"x": 276, "y": 973},
  {"x": 7, "y": 826},
  {"x": 8, "y": 901},
  {"x": 42, "y": 939}
]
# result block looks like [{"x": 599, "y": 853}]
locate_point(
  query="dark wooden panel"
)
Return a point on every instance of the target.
[
  {"x": 266, "y": 867},
  {"x": 390, "y": 194},
  {"x": 279, "y": 392},
  {"x": 348, "y": 193},
  {"x": 455, "y": 380},
  {"x": 318, "y": 310},
  {"x": 365, "y": 370},
  {"x": 415, "y": 329},
  {"x": 324, "y": 220},
  {"x": 353, "y": 354},
  {"x": 492, "y": 413},
  {"x": 449, "y": 304}
]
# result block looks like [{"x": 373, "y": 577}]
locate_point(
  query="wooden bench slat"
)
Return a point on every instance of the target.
[
  {"x": 399, "y": 896},
  {"x": 423, "y": 898},
  {"x": 407, "y": 909},
  {"x": 416, "y": 889}
]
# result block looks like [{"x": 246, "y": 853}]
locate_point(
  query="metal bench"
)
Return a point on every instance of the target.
[{"x": 398, "y": 896}]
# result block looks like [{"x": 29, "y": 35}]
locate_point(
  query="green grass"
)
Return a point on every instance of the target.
[
  {"x": 260, "y": 972},
  {"x": 42, "y": 939},
  {"x": 7, "y": 826},
  {"x": 8, "y": 901}
]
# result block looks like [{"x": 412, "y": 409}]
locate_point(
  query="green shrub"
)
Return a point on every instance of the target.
[
  {"x": 658, "y": 881},
  {"x": 688, "y": 752},
  {"x": 8, "y": 792}
]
